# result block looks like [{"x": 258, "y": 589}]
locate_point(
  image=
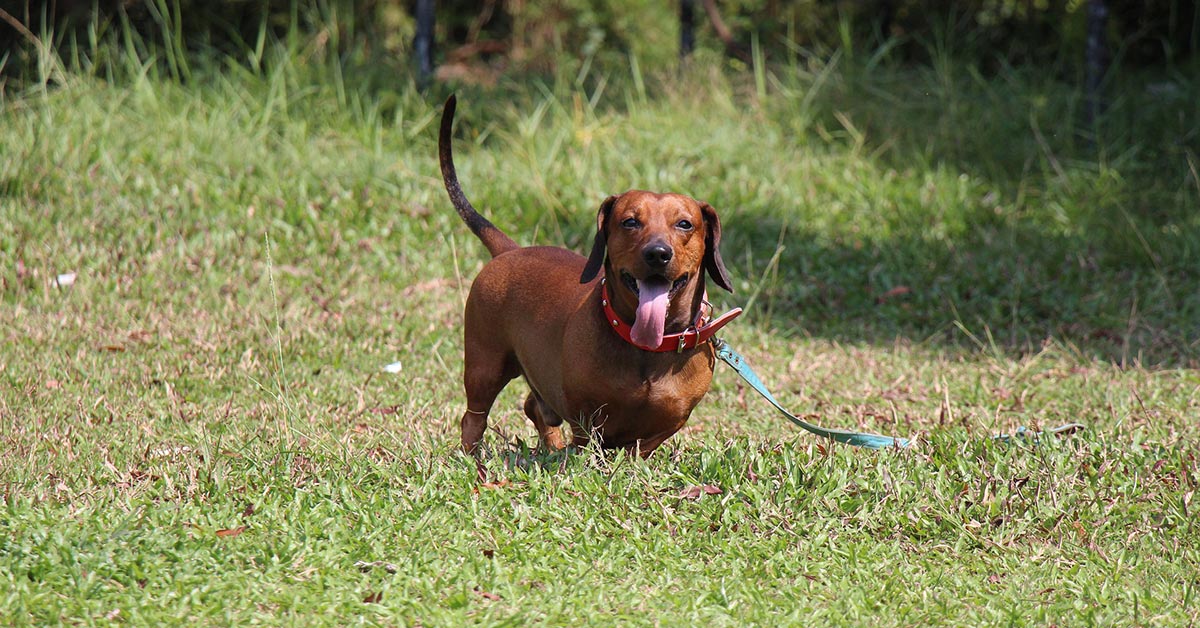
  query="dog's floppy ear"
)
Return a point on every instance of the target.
[
  {"x": 712, "y": 248},
  {"x": 599, "y": 246}
]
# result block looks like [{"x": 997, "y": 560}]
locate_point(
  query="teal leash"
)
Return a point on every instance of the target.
[
  {"x": 857, "y": 439},
  {"x": 1033, "y": 436}
]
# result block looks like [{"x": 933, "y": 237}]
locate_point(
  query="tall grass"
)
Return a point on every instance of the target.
[{"x": 980, "y": 195}]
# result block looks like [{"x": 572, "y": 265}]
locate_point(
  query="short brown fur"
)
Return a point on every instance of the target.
[{"x": 535, "y": 312}]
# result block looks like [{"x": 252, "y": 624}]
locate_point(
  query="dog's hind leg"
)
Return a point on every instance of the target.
[
  {"x": 484, "y": 375},
  {"x": 545, "y": 421}
]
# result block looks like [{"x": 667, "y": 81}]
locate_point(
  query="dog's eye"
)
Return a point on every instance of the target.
[
  {"x": 685, "y": 225},
  {"x": 630, "y": 223}
]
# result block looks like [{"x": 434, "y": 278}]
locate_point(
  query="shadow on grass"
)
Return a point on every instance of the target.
[
  {"x": 999, "y": 290},
  {"x": 1088, "y": 236}
]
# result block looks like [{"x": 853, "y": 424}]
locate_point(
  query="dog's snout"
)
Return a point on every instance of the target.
[{"x": 657, "y": 255}]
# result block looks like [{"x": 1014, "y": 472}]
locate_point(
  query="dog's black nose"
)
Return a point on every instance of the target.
[{"x": 657, "y": 255}]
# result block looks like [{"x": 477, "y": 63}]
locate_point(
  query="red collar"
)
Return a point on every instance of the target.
[{"x": 699, "y": 333}]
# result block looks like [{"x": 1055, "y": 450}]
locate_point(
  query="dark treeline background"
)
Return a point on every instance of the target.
[{"x": 535, "y": 34}]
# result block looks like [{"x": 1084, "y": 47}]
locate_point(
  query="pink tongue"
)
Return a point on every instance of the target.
[{"x": 651, "y": 313}]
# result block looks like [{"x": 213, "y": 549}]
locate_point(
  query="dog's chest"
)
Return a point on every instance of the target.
[{"x": 641, "y": 400}]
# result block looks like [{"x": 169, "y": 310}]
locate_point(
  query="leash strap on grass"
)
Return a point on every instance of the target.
[
  {"x": 858, "y": 439},
  {"x": 1033, "y": 436}
]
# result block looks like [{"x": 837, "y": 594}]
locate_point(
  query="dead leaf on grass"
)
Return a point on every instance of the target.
[
  {"x": 140, "y": 335},
  {"x": 231, "y": 532},
  {"x": 137, "y": 475},
  {"x": 487, "y": 595},
  {"x": 694, "y": 492},
  {"x": 894, "y": 292},
  {"x": 373, "y": 598}
]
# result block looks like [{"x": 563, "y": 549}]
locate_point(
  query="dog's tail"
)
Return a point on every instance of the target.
[{"x": 494, "y": 239}]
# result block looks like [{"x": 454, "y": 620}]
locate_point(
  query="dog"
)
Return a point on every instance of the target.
[{"x": 618, "y": 343}]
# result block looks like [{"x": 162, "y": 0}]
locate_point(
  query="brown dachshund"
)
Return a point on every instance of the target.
[{"x": 624, "y": 358}]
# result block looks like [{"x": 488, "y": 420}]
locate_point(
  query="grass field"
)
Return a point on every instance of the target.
[{"x": 196, "y": 426}]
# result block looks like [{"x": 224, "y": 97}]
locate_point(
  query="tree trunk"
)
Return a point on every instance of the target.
[
  {"x": 423, "y": 42},
  {"x": 1097, "y": 58},
  {"x": 687, "y": 28}
]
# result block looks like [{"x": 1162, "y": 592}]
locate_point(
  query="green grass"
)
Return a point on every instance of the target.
[{"x": 251, "y": 249}]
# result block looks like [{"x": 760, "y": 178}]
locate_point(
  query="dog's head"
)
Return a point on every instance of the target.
[{"x": 656, "y": 246}]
